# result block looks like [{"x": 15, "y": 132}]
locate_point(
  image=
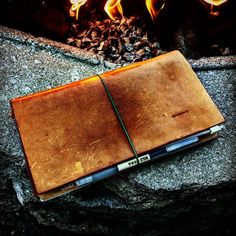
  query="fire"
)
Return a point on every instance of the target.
[
  {"x": 76, "y": 4},
  {"x": 113, "y": 8},
  {"x": 215, "y": 2},
  {"x": 214, "y": 5},
  {"x": 153, "y": 8}
]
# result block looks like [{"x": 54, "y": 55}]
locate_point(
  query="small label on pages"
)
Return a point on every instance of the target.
[
  {"x": 144, "y": 158},
  {"x": 133, "y": 162},
  {"x": 127, "y": 164}
]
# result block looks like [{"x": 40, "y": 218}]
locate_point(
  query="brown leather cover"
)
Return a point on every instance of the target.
[
  {"x": 161, "y": 100},
  {"x": 72, "y": 131}
]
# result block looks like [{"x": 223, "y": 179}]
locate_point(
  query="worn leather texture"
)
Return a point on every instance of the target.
[
  {"x": 69, "y": 132},
  {"x": 72, "y": 131},
  {"x": 161, "y": 100}
]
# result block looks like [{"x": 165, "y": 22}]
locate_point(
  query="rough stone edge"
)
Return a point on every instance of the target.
[
  {"x": 213, "y": 63},
  {"x": 218, "y": 62},
  {"x": 49, "y": 45}
]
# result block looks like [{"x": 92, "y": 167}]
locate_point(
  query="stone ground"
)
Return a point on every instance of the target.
[{"x": 190, "y": 192}]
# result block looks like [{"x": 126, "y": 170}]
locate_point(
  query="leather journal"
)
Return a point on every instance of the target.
[{"x": 88, "y": 130}]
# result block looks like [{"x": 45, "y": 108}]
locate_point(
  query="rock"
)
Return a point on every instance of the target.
[
  {"x": 128, "y": 47},
  {"x": 129, "y": 56},
  {"x": 192, "y": 191}
]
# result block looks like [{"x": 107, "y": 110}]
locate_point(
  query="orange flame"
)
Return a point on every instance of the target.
[
  {"x": 76, "y": 4},
  {"x": 153, "y": 9},
  {"x": 113, "y": 8},
  {"x": 215, "y": 2}
]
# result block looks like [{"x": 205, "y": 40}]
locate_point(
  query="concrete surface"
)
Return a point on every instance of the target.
[{"x": 144, "y": 199}]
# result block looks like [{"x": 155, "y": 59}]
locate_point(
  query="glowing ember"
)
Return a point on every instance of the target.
[
  {"x": 113, "y": 9},
  {"x": 153, "y": 8},
  {"x": 215, "y": 2},
  {"x": 76, "y": 4}
]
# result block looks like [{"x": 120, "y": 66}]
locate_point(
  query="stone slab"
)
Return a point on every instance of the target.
[{"x": 196, "y": 176}]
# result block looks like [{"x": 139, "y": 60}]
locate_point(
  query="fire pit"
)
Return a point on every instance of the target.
[
  {"x": 190, "y": 26},
  {"x": 129, "y": 31}
]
